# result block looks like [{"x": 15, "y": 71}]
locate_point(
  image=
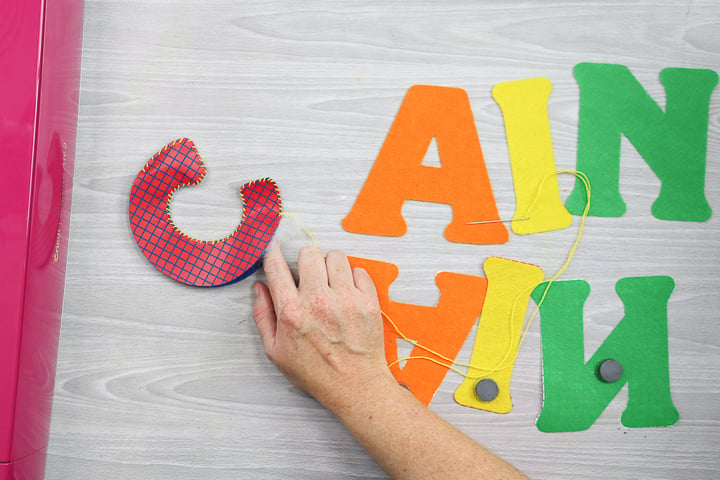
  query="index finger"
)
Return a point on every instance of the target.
[{"x": 280, "y": 281}]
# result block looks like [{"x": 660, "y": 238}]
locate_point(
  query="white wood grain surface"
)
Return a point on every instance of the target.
[{"x": 160, "y": 381}]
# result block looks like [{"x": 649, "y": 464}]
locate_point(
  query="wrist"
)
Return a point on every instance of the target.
[{"x": 361, "y": 393}]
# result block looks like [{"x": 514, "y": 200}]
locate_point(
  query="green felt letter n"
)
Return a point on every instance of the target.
[
  {"x": 673, "y": 143},
  {"x": 574, "y": 394}
]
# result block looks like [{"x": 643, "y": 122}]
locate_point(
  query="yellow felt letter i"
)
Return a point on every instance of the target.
[
  {"x": 510, "y": 284},
  {"x": 524, "y": 107}
]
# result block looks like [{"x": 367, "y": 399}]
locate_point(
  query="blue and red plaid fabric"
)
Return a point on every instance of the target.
[{"x": 186, "y": 259}]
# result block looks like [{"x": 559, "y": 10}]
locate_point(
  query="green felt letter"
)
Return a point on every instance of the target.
[
  {"x": 673, "y": 143},
  {"x": 574, "y": 394}
]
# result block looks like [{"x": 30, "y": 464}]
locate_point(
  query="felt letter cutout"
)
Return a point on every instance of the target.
[
  {"x": 398, "y": 174},
  {"x": 186, "y": 259},
  {"x": 673, "y": 143},
  {"x": 524, "y": 107},
  {"x": 574, "y": 395},
  {"x": 509, "y": 286},
  {"x": 442, "y": 328}
]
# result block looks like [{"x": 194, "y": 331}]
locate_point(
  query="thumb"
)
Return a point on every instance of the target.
[{"x": 264, "y": 316}]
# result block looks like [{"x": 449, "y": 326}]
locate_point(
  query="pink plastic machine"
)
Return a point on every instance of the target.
[{"x": 40, "y": 50}]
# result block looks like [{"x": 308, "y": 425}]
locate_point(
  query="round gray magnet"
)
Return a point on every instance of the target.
[
  {"x": 486, "y": 390},
  {"x": 609, "y": 370}
]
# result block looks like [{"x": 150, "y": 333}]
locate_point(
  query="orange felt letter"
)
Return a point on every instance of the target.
[
  {"x": 443, "y": 328},
  {"x": 398, "y": 174}
]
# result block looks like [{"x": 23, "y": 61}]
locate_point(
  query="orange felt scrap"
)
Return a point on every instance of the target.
[
  {"x": 398, "y": 174},
  {"x": 443, "y": 328}
]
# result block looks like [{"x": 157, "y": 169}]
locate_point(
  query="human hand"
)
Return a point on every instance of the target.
[{"x": 326, "y": 334}]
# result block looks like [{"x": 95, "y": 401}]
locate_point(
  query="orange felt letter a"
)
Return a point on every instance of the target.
[
  {"x": 398, "y": 174},
  {"x": 442, "y": 328}
]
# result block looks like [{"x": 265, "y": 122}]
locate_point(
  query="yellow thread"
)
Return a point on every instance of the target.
[
  {"x": 419, "y": 345},
  {"x": 304, "y": 228},
  {"x": 420, "y": 357},
  {"x": 511, "y": 353}
]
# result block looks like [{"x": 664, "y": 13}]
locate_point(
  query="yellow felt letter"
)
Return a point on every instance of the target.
[
  {"x": 510, "y": 284},
  {"x": 524, "y": 107}
]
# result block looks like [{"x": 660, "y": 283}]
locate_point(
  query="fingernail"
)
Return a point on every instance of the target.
[{"x": 256, "y": 290}]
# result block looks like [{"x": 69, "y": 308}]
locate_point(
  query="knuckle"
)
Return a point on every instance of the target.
[
  {"x": 290, "y": 314},
  {"x": 371, "y": 311},
  {"x": 369, "y": 305},
  {"x": 373, "y": 308}
]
